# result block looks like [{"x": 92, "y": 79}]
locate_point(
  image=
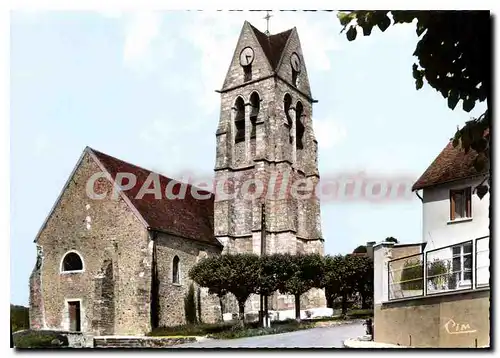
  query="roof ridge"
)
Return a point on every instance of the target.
[{"x": 272, "y": 45}]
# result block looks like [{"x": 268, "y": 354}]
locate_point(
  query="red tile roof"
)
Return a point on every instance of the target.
[
  {"x": 450, "y": 165},
  {"x": 188, "y": 217},
  {"x": 273, "y": 45}
]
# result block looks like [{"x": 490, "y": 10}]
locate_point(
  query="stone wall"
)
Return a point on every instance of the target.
[
  {"x": 140, "y": 342},
  {"x": 114, "y": 286},
  {"x": 456, "y": 320},
  {"x": 171, "y": 295}
]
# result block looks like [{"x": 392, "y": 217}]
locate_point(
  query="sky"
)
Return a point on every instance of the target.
[{"x": 140, "y": 86}]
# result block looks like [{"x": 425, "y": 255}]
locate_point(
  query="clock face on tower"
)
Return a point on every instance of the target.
[
  {"x": 246, "y": 56},
  {"x": 295, "y": 62}
]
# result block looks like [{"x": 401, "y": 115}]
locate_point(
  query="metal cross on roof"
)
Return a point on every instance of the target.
[{"x": 267, "y": 17}]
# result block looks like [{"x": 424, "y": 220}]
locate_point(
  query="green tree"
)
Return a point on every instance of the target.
[
  {"x": 391, "y": 239},
  {"x": 360, "y": 250},
  {"x": 412, "y": 275},
  {"x": 341, "y": 276},
  {"x": 299, "y": 274},
  {"x": 237, "y": 274},
  {"x": 19, "y": 317},
  {"x": 190, "y": 305},
  {"x": 270, "y": 272},
  {"x": 364, "y": 279},
  {"x": 240, "y": 274},
  {"x": 208, "y": 273}
]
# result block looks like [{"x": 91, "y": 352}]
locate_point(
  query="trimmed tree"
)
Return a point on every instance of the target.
[
  {"x": 270, "y": 273},
  {"x": 208, "y": 273},
  {"x": 364, "y": 281},
  {"x": 341, "y": 276},
  {"x": 300, "y": 273},
  {"x": 240, "y": 274}
]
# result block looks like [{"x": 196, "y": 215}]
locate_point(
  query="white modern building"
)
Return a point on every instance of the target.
[{"x": 433, "y": 292}]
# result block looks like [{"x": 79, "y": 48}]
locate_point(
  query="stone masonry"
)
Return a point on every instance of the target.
[
  {"x": 292, "y": 225},
  {"x": 128, "y": 247},
  {"x": 119, "y": 253}
]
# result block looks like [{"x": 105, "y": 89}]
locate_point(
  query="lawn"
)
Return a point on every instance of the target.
[{"x": 232, "y": 329}]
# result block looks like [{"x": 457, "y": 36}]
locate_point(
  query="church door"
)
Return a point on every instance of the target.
[{"x": 74, "y": 316}]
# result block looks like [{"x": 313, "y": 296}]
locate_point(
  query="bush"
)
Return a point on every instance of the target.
[
  {"x": 192, "y": 329},
  {"x": 39, "y": 339},
  {"x": 19, "y": 318},
  {"x": 190, "y": 306},
  {"x": 437, "y": 272},
  {"x": 276, "y": 328},
  {"x": 361, "y": 313},
  {"x": 412, "y": 270}
]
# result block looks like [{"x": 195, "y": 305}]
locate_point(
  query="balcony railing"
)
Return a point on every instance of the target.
[
  {"x": 462, "y": 266},
  {"x": 406, "y": 277}
]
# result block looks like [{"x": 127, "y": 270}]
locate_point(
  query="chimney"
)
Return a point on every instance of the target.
[{"x": 369, "y": 248}]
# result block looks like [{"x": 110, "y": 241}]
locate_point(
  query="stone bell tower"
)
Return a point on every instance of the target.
[{"x": 265, "y": 143}]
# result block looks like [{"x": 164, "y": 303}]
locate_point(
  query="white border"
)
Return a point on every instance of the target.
[
  {"x": 65, "y": 322},
  {"x": 74, "y": 271},
  {"x": 113, "y": 5}
]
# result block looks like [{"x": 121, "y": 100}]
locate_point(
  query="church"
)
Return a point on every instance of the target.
[{"x": 117, "y": 262}]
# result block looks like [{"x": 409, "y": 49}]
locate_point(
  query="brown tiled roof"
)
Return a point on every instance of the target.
[
  {"x": 189, "y": 217},
  {"x": 273, "y": 45},
  {"x": 450, "y": 165}
]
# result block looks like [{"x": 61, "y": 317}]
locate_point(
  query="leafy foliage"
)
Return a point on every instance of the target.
[
  {"x": 236, "y": 274},
  {"x": 439, "y": 273},
  {"x": 19, "y": 317},
  {"x": 412, "y": 275},
  {"x": 364, "y": 282},
  {"x": 208, "y": 273},
  {"x": 190, "y": 305},
  {"x": 360, "y": 250},
  {"x": 192, "y": 329},
  {"x": 299, "y": 274},
  {"x": 391, "y": 239},
  {"x": 40, "y": 339},
  {"x": 246, "y": 274},
  {"x": 345, "y": 275}
]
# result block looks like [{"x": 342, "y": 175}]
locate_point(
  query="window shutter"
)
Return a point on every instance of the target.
[
  {"x": 468, "y": 201},
  {"x": 452, "y": 206}
]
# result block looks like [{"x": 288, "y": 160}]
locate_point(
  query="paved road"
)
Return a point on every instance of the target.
[{"x": 321, "y": 337}]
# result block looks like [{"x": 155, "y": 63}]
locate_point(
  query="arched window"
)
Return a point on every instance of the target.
[
  {"x": 175, "y": 270},
  {"x": 299, "y": 125},
  {"x": 254, "y": 112},
  {"x": 239, "y": 120},
  {"x": 287, "y": 103},
  {"x": 72, "y": 262}
]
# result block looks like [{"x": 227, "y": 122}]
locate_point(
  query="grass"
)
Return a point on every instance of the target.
[
  {"x": 360, "y": 313},
  {"x": 232, "y": 329},
  {"x": 276, "y": 328},
  {"x": 37, "y": 339},
  {"x": 201, "y": 329}
]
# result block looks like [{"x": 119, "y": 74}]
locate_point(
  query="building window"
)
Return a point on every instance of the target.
[
  {"x": 175, "y": 270},
  {"x": 460, "y": 204},
  {"x": 461, "y": 265},
  {"x": 72, "y": 262},
  {"x": 299, "y": 126},
  {"x": 239, "y": 120},
  {"x": 254, "y": 113},
  {"x": 247, "y": 73},
  {"x": 287, "y": 103}
]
